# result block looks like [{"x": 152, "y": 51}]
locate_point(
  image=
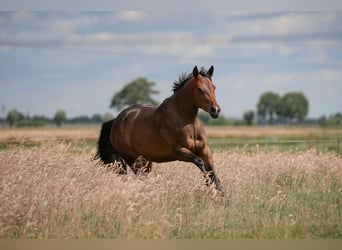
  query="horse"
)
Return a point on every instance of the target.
[{"x": 142, "y": 134}]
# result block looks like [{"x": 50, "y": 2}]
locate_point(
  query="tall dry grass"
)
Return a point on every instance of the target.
[
  {"x": 56, "y": 191},
  {"x": 49, "y": 133}
]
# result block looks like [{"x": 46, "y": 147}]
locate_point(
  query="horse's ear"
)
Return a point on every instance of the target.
[
  {"x": 195, "y": 72},
  {"x": 211, "y": 71}
]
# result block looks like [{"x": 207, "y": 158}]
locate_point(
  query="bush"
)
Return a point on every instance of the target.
[{"x": 31, "y": 123}]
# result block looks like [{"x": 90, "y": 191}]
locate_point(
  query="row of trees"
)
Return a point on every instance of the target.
[
  {"x": 17, "y": 118},
  {"x": 332, "y": 120},
  {"x": 290, "y": 108}
]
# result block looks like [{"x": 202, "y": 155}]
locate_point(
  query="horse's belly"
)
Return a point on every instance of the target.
[
  {"x": 155, "y": 151},
  {"x": 161, "y": 158}
]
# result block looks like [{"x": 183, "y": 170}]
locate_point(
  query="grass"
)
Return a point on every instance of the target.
[
  {"x": 270, "y": 144},
  {"x": 282, "y": 138},
  {"x": 54, "y": 190}
]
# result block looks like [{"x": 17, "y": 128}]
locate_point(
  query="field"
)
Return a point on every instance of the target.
[{"x": 51, "y": 188}]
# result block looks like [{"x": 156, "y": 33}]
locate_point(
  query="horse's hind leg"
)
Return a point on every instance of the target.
[
  {"x": 122, "y": 169},
  {"x": 147, "y": 168},
  {"x": 141, "y": 166}
]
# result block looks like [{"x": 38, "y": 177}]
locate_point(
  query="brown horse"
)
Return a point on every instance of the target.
[{"x": 143, "y": 134}]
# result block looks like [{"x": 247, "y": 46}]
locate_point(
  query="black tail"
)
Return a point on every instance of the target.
[{"x": 104, "y": 148}]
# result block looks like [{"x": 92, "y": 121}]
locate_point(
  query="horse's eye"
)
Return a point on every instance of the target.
[{"x": 200, "y": 89}]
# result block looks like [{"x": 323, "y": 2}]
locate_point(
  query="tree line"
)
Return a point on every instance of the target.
[
  {"x": 271, "y": 108},
  {"x": 16, "y": 118},
  {"x": 292, "y": 107}
]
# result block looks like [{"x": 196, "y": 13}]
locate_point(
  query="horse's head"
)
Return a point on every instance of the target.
[{"x": 204, "y": 92}]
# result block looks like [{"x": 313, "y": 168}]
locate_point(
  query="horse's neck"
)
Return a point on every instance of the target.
[{"x": 185, "y": 106}]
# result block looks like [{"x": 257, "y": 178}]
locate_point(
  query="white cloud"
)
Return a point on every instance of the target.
[
  {"x": 277, "y": 81},
  {"x": 291, "y": 23},
  {"x": 131, "y": 15},
  {"x": 176, "y": 44},
  {"x": 330, "y": 75},
  {"x": 71, "y": 24},
  {"x": 21, "y": 17},
  {"x": 199, "y": 51},
  {"x": 252, "y": 53},
  {"x": 287, "y": 50}
]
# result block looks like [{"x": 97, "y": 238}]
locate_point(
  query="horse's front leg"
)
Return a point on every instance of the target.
[
  {"x": 209, "y": 168},
  {"x": 204, "y": 163},
  {"x": 184, "y": 154}
]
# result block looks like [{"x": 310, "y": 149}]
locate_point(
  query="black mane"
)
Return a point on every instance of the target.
[{"x": 184, "y": 78}]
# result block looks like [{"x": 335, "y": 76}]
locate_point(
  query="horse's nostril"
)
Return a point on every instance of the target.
[{"x": 215, "y": 110}]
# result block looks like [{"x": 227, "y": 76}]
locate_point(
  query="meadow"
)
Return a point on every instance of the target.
[{"x": 51, "y": 188}]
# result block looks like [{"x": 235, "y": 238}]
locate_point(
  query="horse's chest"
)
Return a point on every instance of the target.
[
  {"x": 199, "y": 144},
  {"x": 195, "y": 142}
]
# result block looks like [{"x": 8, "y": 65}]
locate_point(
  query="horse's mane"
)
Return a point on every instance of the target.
[{"x": 184, "y": 78}]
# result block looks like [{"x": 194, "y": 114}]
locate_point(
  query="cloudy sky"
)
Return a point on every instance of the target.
[{"x": 77, "y": 60}]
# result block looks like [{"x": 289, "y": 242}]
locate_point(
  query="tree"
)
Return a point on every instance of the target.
[
  {"x": 268, "y": 105},
  {"x": 60, "y": 117},
  {"x": 248, "y": 116},
  {"x": 139, "y": 91},
  {"x": 96, "y": 118},
  {"x": 294, "y": 106},
  {"x": 13, "y": 116}
]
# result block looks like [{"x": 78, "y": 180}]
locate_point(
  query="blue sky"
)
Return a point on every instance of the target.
[{"x": 77, "y": 60}]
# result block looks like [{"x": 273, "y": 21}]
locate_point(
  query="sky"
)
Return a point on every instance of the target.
[{"x": 77, "y": 60}]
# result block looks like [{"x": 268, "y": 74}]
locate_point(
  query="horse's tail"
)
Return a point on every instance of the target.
[{"x": 105, "y": 151}]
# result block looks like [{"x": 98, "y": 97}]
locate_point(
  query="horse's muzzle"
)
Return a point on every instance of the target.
[{"x": 215, "y": 111}]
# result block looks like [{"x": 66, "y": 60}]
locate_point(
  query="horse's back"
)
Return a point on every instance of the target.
[{"x": 137, "y": 113}]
